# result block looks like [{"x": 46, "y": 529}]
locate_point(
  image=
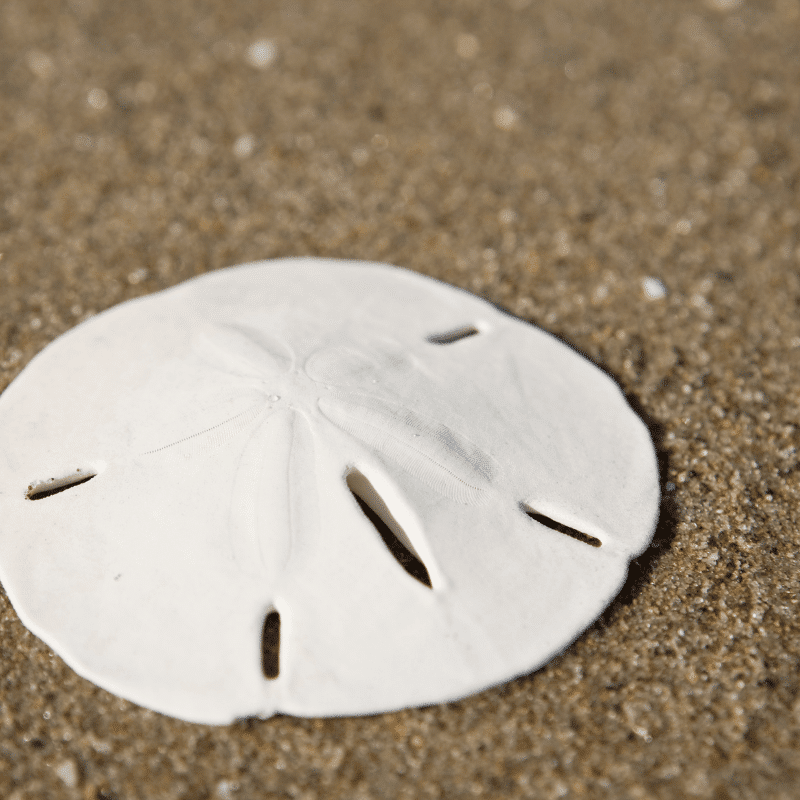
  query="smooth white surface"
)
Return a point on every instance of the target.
[{"x": 222, "y": 417}]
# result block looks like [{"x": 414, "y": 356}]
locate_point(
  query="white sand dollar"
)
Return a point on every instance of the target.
[{"x": 317, "y": 487}]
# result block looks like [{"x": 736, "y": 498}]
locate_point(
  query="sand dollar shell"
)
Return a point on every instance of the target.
[{"x": 318, "y": 487}]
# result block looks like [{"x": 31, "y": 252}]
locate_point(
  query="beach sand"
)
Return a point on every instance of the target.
[{"x": 623, "y": 174}]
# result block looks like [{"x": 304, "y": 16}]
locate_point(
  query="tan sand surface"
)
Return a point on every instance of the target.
[{"x": 545, "y": 154}]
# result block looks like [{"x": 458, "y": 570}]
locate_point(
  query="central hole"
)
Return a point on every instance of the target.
[{"x": 387, "y": 527}]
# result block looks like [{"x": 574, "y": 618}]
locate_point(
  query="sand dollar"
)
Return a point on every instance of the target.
[{"x": 317, "y": 487}]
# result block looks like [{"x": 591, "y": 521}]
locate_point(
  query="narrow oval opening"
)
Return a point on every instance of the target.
[
  {"x": 42, "y": 489},
  {"x": 271, "y": 645},
  {"x": 548, "y": 522},
  {"x": 390, "y": 531},
  {"x": 455, "y": 335}
]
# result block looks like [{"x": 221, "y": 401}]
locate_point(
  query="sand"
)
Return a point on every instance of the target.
[{"x": 553, "y": 157}]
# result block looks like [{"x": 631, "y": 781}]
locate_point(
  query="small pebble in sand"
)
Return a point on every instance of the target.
[{"x": 653, "y": 288}]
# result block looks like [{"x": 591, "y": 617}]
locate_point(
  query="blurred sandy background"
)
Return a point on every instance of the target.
[{"x": 624, "y": 174}]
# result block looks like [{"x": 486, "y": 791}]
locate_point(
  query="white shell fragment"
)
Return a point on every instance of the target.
[{"x": 317, "y": 487}]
